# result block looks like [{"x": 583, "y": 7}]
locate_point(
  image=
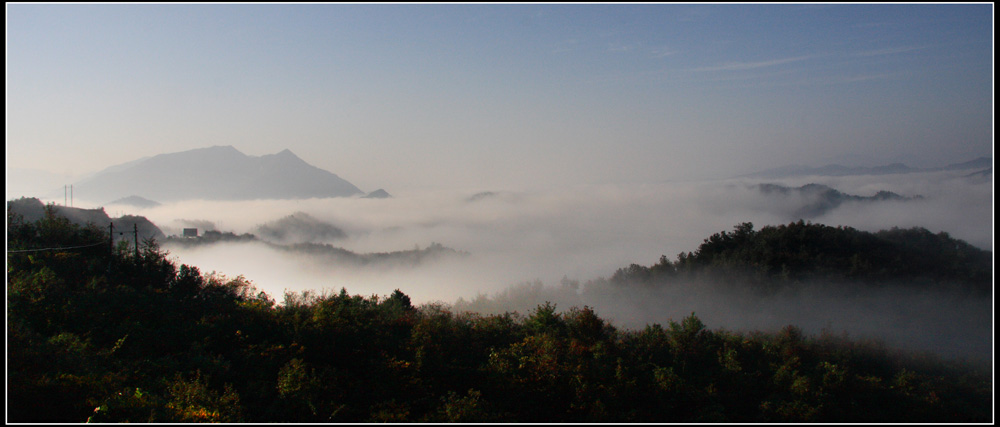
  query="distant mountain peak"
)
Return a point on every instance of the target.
[
  {"x": 219, "y": 172},
  {"x": 217, "y": 148},
  {"x": 378, "y": 194},
  {"x": 286, "y": 157}
]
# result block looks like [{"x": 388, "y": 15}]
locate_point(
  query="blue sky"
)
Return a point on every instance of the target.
[{"x": 502, "y": 96}]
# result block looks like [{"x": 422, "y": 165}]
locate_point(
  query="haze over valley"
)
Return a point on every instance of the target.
[
  {"x": 823, "y": 166},
  {"x": 460, "y": 246}
]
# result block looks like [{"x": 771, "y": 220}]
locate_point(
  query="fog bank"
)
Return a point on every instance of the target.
[
  {"x": 583, "y": 232},
  {"x": 587, "y": 232}
]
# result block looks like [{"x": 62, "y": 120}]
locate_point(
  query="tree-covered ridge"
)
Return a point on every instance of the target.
[
  {"x": 324, "y": 252},
  {"x": 32, "y": 209},
  {"x": 114, "y": 335},
  {"x": 801, "y": 252}
]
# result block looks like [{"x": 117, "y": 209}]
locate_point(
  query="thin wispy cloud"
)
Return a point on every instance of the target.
[
  {"x": 662, "y": 52},
  {"x": 620, "y": 48},
  {"x": 694, "y": 15},
  {"x": 876, "y": 25},
  {"x": 861, "y": 78},
  {"x": 828, "y": 81},
  {"x": 569, "y": 45},
  {"x": 890, "y": 51},
  {"x": 739, "y": 66}
]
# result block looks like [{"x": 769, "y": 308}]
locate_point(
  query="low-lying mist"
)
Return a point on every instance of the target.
[
  {"x": 588, "y": 232},
  {"x": 949, "y": 324}
]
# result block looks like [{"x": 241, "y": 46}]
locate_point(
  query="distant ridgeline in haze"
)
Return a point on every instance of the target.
[
  {"x": 32, "y": 209},
  {"x": 982, "y": 165},
  {"x": 325, "y": 253},
  {"x": 299, "y": 227},
  {"x": 136, "y": 201},
  {"x": 820, "y": 199},
  {"x": 215, "y": 173}
]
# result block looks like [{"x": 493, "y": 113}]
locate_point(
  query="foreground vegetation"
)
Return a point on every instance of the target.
[{"x": 123, "y": 335}]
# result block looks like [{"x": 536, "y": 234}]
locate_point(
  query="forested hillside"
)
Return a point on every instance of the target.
[
  {"x": 33, "y": 209},
  {"x": 800, "y": 253},
  {"x": 105, "y": 334}
]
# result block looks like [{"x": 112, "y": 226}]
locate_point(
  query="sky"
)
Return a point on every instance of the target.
[{"x": 501, "y": 97}]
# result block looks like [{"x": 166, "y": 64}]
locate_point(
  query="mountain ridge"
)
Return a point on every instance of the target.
[
  {"x": 216, "y": 172},
  {"x": 820, "y": 199},
  {"x": 32, "y": 209},
  {"x": 788, "y": 171}
]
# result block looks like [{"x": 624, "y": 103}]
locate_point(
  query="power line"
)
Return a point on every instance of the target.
[{"x": 56, "y": 249}]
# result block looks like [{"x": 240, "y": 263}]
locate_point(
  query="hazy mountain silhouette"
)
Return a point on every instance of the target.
[
  {"x": 299, "y": 227},
  {"x": 820, "y": 199},
  {"x": 839, "y": 170},
  {"x": 217, "y": 173},
  {"x": 979, "y": 163},
  {"x": 983, "y": 175},
  {"x": 378, "y": 194},
  {"x": 481, "y": 195},
  {"x": 324, "y": 253},
  {"x": 136, "y": 201}
]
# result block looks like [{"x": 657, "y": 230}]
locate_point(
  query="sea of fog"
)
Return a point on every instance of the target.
[{"x": 587, "y": 232}]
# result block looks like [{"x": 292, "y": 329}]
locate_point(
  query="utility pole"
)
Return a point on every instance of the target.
[
  {"x": 135, "y": 230},
  {"x": 64, "y": 195},
  {"x": 111, "y": 247},
  {"x": 71, "y": 195}
]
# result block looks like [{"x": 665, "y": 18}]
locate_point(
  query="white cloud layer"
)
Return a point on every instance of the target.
[
  {"x": 583, "y": 233},
  {"x": 588, "y": 232}
]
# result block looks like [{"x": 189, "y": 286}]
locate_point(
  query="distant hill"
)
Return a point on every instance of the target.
[
  {"x": 139, "y": 202},
  {"x": 33, "y": 209},
  {"x": 299, "y": 227},
  {"x": 980, "y": 163},
  {"x": 839, "y": 170},
  {"x": 800, "y": 252},
  {"x": 215, "y": 173},
  {"x": 378, "y": 194},
  {"x": 984, "y": 174},
  {"x": 820, "y": 199},
  {"x": 325, "y": 253},
  {"x": 481, "y": 195}
]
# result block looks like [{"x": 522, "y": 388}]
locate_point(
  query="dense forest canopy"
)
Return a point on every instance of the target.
[
  {"x": 800, "y": 252},
  {"x": 105, "y": 332}
]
